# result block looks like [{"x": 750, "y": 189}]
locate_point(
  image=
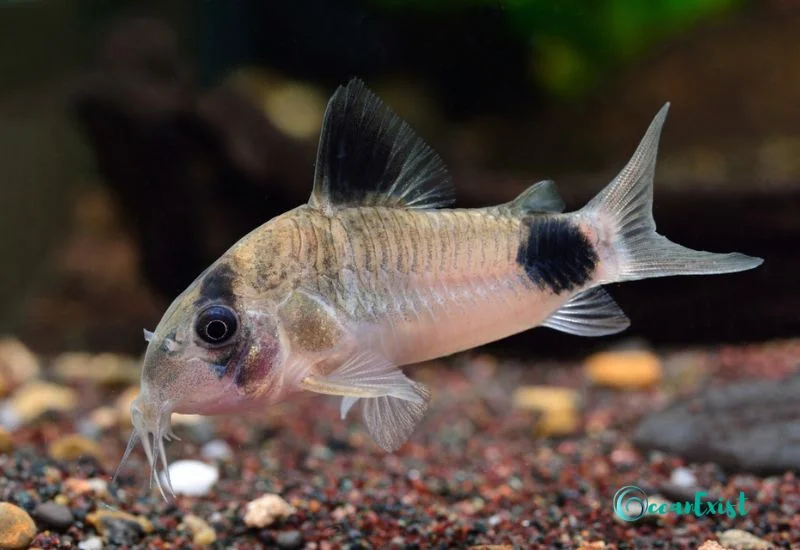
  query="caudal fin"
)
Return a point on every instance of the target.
[{"x": 623, "y": 215}]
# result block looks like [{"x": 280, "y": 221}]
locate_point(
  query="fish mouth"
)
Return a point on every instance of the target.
[{"x": 152, "y": 426}]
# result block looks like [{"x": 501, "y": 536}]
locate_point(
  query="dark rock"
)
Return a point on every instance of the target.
[
  {"x": 339, "y": 445},
  {"x": 25, "y": 500},
  {"x": 289, "y": 539},
  {"x": 266, "y": 537},
  {"x": 123, "y": 532},
  {"x": 746, "y": 427},
  {"x": 53, "y": 515}
]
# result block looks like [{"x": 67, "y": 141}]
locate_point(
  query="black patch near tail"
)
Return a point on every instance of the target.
[{"x": 555, "y": 254}]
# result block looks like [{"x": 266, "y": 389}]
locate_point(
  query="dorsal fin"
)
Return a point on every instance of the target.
[
  {"x": 539, "y": 197},
  {"x": 368, "y": 156}
]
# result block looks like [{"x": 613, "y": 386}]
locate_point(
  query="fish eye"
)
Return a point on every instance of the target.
[{"x": 216, "y": 324}]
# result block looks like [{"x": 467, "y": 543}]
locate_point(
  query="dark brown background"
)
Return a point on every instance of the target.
[{"x": 135, "y": 149}]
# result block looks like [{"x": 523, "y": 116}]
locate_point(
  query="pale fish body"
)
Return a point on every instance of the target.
[{"x": 335, "y": 296}]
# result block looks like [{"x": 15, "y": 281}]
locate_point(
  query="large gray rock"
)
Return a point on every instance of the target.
[{"x": 746, "y": 427}]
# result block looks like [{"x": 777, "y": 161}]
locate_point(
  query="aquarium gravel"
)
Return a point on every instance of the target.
[{"x": 475, "y": 473}]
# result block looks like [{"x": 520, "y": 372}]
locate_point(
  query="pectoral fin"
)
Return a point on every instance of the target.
[
  {"x": 392, "y": 403},
  {"x": 390, "y": 420}
]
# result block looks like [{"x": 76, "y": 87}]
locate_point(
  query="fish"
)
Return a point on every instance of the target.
[{"x": 378, "y": 271}]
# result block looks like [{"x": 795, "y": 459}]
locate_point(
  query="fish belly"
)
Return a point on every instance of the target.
[{"x": 450, "y": 319}]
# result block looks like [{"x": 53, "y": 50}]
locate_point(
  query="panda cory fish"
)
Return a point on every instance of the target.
[{"x": 376, "y": 272}]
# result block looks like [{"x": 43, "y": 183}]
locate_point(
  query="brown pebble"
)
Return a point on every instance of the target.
[
  {"x": 77, "y": 486},
  {"x": 35, "y": 398},
  {"x": 623, "y": 369},
  {"x": 17, "y": 528},
  {"x": 100, "y": 518},
  {"x": 544, "y": 398},
  {"x": 557, "y": 406},
  {"x": 202, "y": 533},
  {"x": 5, "y": 441},
  {"x": 104, "y": 417},
  {"x": 314, "y": 506},
  {"x": 72, "y": 447},
  {"x": 594, "y": 545},
  {"x": 738, "y": 539},
  {"x": 17, "y": 363},
  {"x": 109, "y": 369},
  {"x": 123, "y": 405},
  {"x": 557, "y": 423}
]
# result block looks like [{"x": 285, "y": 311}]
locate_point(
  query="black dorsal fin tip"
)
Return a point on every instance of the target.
[{"x": 367, "y": 155}]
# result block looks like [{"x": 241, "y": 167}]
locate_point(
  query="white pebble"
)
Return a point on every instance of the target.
[
  {"x": 99, "y": 486},
  {"x": 9, "y": 418},
  {"x": 92, "y": 543},
  {"x": 265, "y": 510},
  {"x": 191, "y": 477},
  {"x": 683, "y": 477},
  {"x": 216, "y": 450},
  {"x": 88, "y": 428}
]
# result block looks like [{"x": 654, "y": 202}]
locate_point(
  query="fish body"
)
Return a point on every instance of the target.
[
  {"x": 421, "y": 283},
  {"x": 374, "y": 273}
]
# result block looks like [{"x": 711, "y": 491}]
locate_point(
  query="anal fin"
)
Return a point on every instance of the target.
[{"x": 590, "y": 313}]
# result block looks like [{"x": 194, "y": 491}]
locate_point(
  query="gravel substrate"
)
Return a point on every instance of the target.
[{"x": 474, "y": 473}]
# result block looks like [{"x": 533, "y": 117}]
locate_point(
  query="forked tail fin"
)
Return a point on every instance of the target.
[{"x": 622, "y": 213}]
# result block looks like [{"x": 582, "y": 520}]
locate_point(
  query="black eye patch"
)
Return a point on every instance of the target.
[{"x": 217, "y": 284}]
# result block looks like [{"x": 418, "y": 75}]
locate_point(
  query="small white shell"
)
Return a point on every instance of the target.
[{"x": 191, "y": 477}]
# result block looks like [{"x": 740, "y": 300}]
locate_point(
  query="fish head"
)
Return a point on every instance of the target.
[{"x": 209, "y": 354}]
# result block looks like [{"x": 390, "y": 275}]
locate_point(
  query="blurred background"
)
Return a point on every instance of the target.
[{"x": 139, "y": 140}]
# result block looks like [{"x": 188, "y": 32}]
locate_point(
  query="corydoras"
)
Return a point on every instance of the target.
[{"x": 375, "y": 273}]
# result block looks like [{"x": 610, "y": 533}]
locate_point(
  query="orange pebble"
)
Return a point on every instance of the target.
[{"x": 623, "y": 369}]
